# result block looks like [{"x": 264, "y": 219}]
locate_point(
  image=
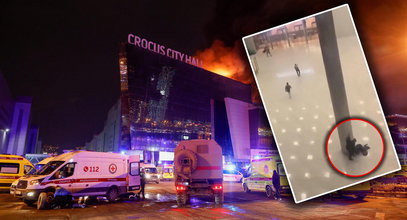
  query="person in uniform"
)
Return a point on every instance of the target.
[
  {"x": 276, "y": 184},
  {"x": 142, "y": 184}
]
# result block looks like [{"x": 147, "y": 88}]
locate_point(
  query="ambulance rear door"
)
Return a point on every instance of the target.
[{"x": 134, "y": 173}]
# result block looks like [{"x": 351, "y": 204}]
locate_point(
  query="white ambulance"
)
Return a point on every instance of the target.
[
  {"x": 79, "y": 174},
  {"x": 152, "y": 174},
  {"x": 259, "y": 176}
]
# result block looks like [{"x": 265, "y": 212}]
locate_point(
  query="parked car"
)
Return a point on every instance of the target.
[{"x": 232, "y": 176}]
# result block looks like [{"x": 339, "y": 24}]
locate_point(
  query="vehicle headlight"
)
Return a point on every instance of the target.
[
  {"x": 183, "y": 183},
  {"x": 30, "y": 193},
  {"x": 148, "y": 176}
]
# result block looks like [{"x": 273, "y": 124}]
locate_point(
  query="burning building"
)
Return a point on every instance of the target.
[{"x": 167, "y": 97}]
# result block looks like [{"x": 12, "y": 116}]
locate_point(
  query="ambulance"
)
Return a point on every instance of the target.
[
  {"x": 12, "y": 167},
  {"x": 81, "y": 174},
  {"x": 167, "y": 172},
  {"x": 37, "y": 167},
  {"x": 259, "y": 176},
  {"x": 152, "y": 174}
]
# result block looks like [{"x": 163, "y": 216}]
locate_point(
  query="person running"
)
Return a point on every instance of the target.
[
  {"x": 297, "y": 69},
  {"x": 276, "y": 184},
  {"x": 288, "y": 89}
]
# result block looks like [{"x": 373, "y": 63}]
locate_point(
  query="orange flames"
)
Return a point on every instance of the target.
[{"x": 225, "y": 61}]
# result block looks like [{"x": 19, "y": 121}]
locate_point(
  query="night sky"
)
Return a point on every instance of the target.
[{"x": 65, "y": 53}]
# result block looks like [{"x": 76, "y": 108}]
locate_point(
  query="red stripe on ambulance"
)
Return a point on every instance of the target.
[
  {"x": 11, "y": 158},
  {"x": 10, "y": 177},
  {"x": 208, "y": 168},
  {"x": 87, "y": 180}
]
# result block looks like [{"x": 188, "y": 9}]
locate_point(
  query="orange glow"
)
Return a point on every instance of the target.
[{"x": 225, "y": 61}]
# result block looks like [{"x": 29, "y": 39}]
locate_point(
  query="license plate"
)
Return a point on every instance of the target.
[{"x": 18, "y": 192}]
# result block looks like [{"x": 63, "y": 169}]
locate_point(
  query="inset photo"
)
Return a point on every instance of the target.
[{"x": 322, "y": 103}]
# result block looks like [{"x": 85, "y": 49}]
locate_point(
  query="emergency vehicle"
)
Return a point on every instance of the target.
[
  {"x": 151, "y": 173},
  {"x": 198, "y": 170},
  {"x": 258, "y": 177},
  {"x": 80, "y": 174},
  {"x": 12, "y": 167},
  {"x": 37, "y": 167},
  {"x": 232, "y": 176},
  {"x": 167, "y": 172}
]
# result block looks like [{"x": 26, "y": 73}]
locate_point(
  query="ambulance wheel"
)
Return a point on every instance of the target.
[
  {"x": 44, "y": 200},
  {"x": 219, "y": 198},
  {"x": 245, "y": 188},
  {"x": 112, "y": 194},
  {"x": 182, "y": 199},
  {"x": 269, "y": 192},
  {"x": 29, "y": 202}
]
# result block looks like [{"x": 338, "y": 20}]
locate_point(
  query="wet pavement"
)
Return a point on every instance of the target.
[{"x": 161, "y": 204}]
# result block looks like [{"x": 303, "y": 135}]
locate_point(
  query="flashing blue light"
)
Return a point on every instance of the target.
[
  {"x": 123, "y": 152},
  {"x": 256, "y": 157},
  {"x": 230, "y": 167}
]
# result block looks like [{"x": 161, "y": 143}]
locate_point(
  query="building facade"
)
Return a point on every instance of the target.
[
  {"x": 169, "y": 101},
  {"x": 165, "y": 100},
  {"x": 6, "y": 113},
  {"x": 15, "y": 115},
  {"x": 108, "y": 140}
]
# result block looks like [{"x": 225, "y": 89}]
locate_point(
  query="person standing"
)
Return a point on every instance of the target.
[
  {"x": 297, "y": 69},
  {"x": 142, "y": 185},
  {"x": 276, "y": 184},
  {"x": 288, "y": 89},
  {"x": 268, "y": 54}
]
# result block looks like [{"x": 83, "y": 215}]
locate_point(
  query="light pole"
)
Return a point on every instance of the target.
[{"x": 3, "y": 139}]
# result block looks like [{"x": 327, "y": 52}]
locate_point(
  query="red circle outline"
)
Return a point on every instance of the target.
[
  {"x": 329, "y": 136},
  {"x": 110, "y": 167}
]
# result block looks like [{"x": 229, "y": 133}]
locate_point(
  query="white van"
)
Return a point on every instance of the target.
[
  {"x": 152, "y": 174},
  {"x": 37, "y": 167},
  {"x": 81, "y": 173}
]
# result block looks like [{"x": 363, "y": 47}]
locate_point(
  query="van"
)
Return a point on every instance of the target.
[
  {"x": 81, "y": 174},
  {"x": 167, "y": 172},
  {"x": 258, "y": 177},
  {"x": 37, "y": 167},
  {"x": 12, "y": 167},
  {"x": 151, "y": 173}
]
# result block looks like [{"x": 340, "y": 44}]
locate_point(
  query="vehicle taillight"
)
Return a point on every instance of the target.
[
  {"x": 181, "y": 188},
  {"x": 217, "y": 187}
]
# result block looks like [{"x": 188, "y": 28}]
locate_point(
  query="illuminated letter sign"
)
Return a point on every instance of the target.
[{"x": 160, "y": 49}]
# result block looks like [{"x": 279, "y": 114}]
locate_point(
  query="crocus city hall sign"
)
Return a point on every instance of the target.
[{"x": 160, "y": 49}]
